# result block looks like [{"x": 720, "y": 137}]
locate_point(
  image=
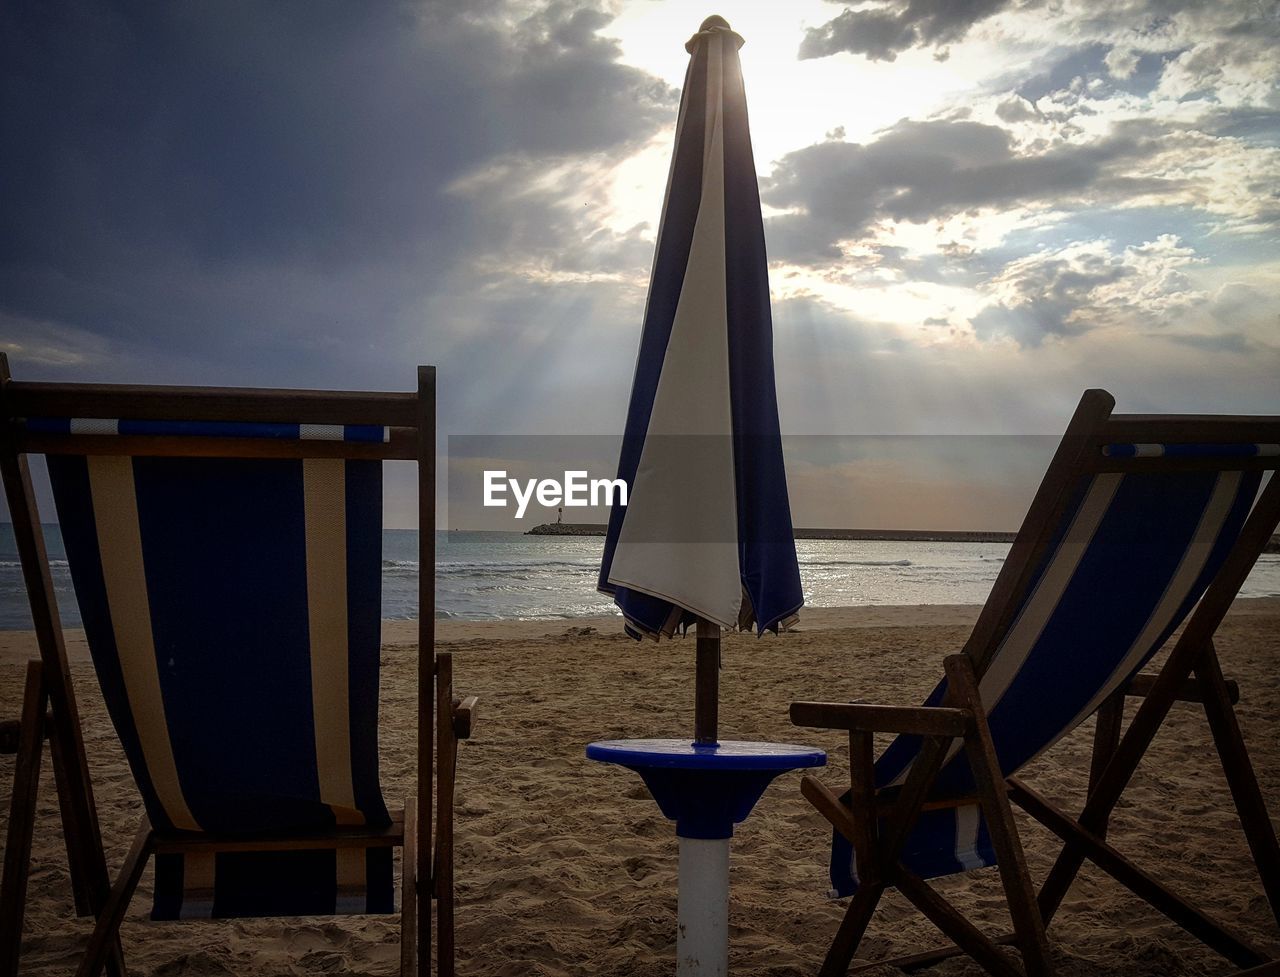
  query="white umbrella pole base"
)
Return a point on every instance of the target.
[
  {"x": 705, "y": 789},
  {"x": 702, "y": 943}
]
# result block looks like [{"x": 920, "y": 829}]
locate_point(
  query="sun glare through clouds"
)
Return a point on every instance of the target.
[
  {"x": 973, "y": 211},
  {"x": 796, "y": 103},
  {"x": 1010, "y": 181}
]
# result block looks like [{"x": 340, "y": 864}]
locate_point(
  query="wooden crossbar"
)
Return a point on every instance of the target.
[
  {"x": 402, "y": 446},
  {"x": 155, "y": 403}
]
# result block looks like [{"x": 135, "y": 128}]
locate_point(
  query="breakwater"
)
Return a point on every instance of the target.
[
  {"x": 914, "y": 535},
  {"x": 909, "y": 535}
]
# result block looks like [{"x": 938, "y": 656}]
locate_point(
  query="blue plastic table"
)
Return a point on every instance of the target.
[{"x": 705, "y": 790}]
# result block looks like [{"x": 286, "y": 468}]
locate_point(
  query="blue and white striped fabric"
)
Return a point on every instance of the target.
[
  {"x": 1130, "y": 560},
  {"x": 208, "y": 429},
  {"x": 707, "y": 529},
  {"x": 232, "y": 610}
]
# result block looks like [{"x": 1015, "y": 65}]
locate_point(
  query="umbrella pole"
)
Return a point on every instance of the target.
[
  {"x": 702, "y": 944},
  {"x": 706, "y": 707}
]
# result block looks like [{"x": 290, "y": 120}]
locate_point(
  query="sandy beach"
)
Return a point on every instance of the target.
[{"x": 566, "y": 867}]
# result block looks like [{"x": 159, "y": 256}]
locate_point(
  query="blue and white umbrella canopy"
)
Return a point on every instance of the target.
[{"x": 707, "y": 529}]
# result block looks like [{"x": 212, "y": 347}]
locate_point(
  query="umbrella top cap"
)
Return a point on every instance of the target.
[{"x": 711, "y": 27}]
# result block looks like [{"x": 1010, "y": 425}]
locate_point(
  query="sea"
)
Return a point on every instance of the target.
[{"x": 511, "y": 576}]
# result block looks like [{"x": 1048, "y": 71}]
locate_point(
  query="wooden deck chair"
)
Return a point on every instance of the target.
[
  {"x": 225, "y": 548},
  {"x": 1142, "y": 523}
]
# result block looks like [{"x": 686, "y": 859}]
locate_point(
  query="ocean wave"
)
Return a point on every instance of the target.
[
  {"x": 472, "y": 567},
  {"x": 399, "y": 568},
  {"x": 830, "y": 564},
  {"x": 493, "y": 579},
  {"x": 462, "y": 566}
]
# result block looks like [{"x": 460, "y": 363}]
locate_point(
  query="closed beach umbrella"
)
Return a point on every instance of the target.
[{"x": 706, "y": 534}]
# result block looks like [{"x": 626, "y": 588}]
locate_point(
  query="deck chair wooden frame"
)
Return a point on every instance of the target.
[
  {"x": 878, "y": 822},
  {"x": 423, "y": 829},
  {"x": 24, "y": 737}
]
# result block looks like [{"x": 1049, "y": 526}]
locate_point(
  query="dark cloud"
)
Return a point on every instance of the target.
[
  {"x": 1047, "y": 301},
  {"x": 1018, "y": 110},
  {"x": 920, "y": 171},
  {"x": 883, "y": 31},
  {"x": 270, "y": 188},
  {"x": 1238, "y": 305},
  {"x": 1260, "y": 124},
  {"x": 1079, "y": 67}
]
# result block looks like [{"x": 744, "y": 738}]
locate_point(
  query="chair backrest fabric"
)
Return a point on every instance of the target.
[
  {"x": 1129, "y": 561},
  {"x": 232, "y": 608}
]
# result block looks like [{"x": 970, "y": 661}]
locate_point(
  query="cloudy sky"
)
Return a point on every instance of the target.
[{"x": 974, "y": 210}]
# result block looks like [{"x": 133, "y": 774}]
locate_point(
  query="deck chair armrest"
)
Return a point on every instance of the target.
[
  {"x": 922, "y": 720},
  {"x": 831, "y": 808},
  {"x": 1189, "y": 691},
  {"x": 464, "y": 716}
]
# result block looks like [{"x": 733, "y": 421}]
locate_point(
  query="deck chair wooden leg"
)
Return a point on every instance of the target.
[
  {"x": 409, "y": 891},
  {"x": 63, "y": 781},
  {"x": 857, "y": 824},
  {"x": 35, "y": 728},
  {"x": 1186, "y": 654},
  {"x": 912, "y": 962},
  {"x": 85, "y": 856},
  {"x": 1112, "y": 780},
  {"x": 959, "y": 930},
  {"x": 106, "y": 930},
  {"x": 446, "y": 764},
  {"x": 1106, "y": 735},
  {"x": 1271, "y": 969},
  {"x": 862, "y": 800},
  {"x": 856, "y": 918},
  {"x": 903, "y": 815},
  {"x": 1240, "y": 777},
  {"x": 1250, "y": 806},
  {"x": 90, "y": 882},
  {"x": 22, "y": 813},
  {"x": 1019, "y": 892},
  {"x": 424, "y": 867},
  {"x": 1209, "y": 931}
]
